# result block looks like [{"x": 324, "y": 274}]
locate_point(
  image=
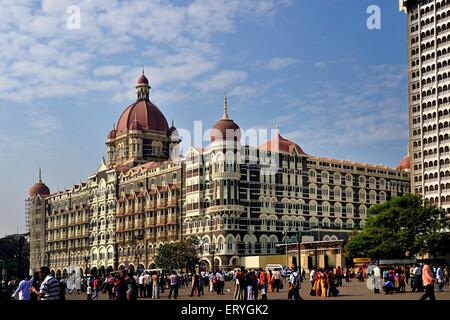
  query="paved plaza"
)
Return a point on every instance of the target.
[{"x": 353, "y": 290}]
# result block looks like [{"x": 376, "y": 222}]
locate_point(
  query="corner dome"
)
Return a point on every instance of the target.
[
  {"x": 225, "y": 128},
  {"x": 39, "y": 188},
  {"x": 173, "y": 134},
  {"x": 112, "y": 134},
  {"x": 281, "y": 144}
]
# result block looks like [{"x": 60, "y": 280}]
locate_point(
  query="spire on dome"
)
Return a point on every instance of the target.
[
  {"x": 225, "y": 108},
  {"x": 173, "y": 123},
  {"x": 142, "y": 87},
  {"x": 40, "y": 175}
]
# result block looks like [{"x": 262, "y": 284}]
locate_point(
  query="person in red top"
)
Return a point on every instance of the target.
[
  {"x": 96, "y": 288},
  {"x": 428, "y": 283},
  {"x": 264, "y": 283}
]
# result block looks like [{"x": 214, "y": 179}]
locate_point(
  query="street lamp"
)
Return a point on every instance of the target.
[
  {"x": 286, "y": 246},
  {"x": 86, "y": 259},
  {"x": 299, "y": 240},
  {"x": 3, "y": 270},
  {"x": 212, "y": 251}
]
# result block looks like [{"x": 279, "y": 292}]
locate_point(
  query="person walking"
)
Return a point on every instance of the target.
[
  {"x": 155, "y": 285},
  {"x": 195, "y": 285},
  {"x": 49, "y": 289},
  {"x": 97, "y": 285},
  {"x": 294, "y": 285},
  {"x": 264, "y": 283},
  {"x": 276, "y": 276},
  {"x": 376, "y": 279},
  {"x": 428, "y": 283},
  {"x": 440, "y": 278},
  {"x": 23, "y": 290},
  {"x": 173, "y": 285},
  {"x": 89, "y": 292},
  {"x": 417, "y": 279},
  {"x": 110, "y": 286},
  {"x": 142, "y": 291}
]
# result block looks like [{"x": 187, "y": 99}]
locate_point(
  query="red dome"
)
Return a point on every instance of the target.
[
  {"x": 280, "y": 144},
  {"x": 225, "y": 128},
  {"x": 142, "y": 79},
  {"x": 146, "y": 114},
  {"x": 39, "y": 188},
  {"x": 112, "y": 134},
  {"x": 405, "y": 163}
]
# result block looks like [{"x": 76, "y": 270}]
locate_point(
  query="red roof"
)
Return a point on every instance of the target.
[
  {"x": 225, "y": 129},
  {"x": 146, "y": 114},
  {"x": 142, "y": 79},
  {"x": 281, "y": 144},
  {"x": 39, "y": 188},
  {"x": 405, "y": 164}
]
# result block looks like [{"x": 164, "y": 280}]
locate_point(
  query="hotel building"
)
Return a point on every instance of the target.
[{"x": 238, "y": 200}]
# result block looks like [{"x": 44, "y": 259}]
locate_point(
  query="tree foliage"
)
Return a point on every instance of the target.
[
  {"x": 401, "y": 227},
  {"x": 178, "y": 255}
]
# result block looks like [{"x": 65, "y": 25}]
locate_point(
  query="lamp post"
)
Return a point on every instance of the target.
[
  {"x": 212, "y": 251},
  {"x": 86, "y": 259},
  {"x": 286, "y": 246},
  {"x": 299, "y": 240},
  {"x": 3, "y": 270}
]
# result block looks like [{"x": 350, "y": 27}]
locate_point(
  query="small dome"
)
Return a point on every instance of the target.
[
  {"x": 142, "y": 79},
  {"x": 112, "y": 134},
  {"x": 173, "y": 134},
  {"x": 39, "y": 188},
  {"x": 225, "y": 128},
  {"x": 405, "y": 164}
]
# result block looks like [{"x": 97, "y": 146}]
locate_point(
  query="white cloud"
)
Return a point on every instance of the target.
[
  {"x": 37, "y": 49},
  {"x": 221, "y": 81},
  {"x": 281, "y": 63}
]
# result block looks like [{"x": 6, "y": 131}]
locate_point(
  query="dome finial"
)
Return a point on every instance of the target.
[
  {"x": 172, "y": 123},
  {"x": 225, "y": 108},
  {"x": 143, "y": 71},
  {"x": 40, "y": 174}
]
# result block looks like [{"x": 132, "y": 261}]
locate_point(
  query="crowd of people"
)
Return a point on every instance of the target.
[
  {"x": 250, "y": 284},
  {"x": 420, "y": 278}
]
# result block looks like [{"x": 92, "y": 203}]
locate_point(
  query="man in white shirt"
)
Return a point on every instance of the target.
[
  {"x": 276, "y": 276},
  {"x": 377, "y": 279},
  {"x": 142, "y": 291},
  {"x": 148, "y": 284},
  {"x": 23, "y": 290},
  {"x": 173, "y": 285},
  {"x": 294, "y": 285}
]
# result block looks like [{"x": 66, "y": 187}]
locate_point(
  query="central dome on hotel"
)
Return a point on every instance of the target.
[{"x": 145, "y": 113}]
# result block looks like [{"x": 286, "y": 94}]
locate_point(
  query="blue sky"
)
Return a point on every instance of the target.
[{"x": 335, "y": 87}]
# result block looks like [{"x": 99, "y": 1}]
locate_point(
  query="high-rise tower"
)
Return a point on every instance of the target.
[{"x": 428, "y": 23}]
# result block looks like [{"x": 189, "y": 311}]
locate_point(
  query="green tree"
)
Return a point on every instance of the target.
[
  {"x": 178, "y": 255},
  {"x": 401, "y": 227}
]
